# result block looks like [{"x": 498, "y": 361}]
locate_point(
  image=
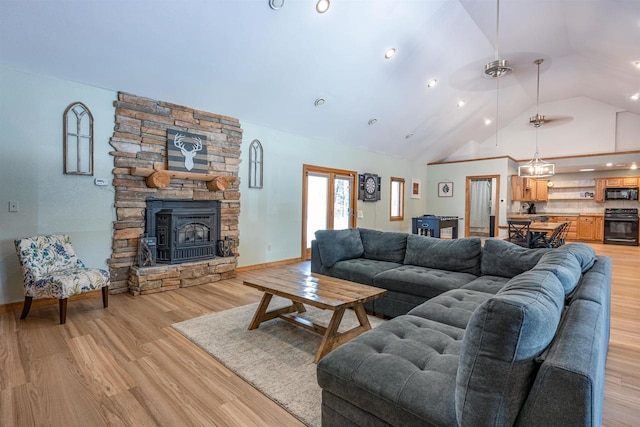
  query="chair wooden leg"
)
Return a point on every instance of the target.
[
  {"x": 63, "y": 310},
  {"x": 26, "y": 307},
  {"x": 105, "y": 297}
]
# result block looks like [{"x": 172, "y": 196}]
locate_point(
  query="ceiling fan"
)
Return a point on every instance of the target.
[{"x": 540, "y": 119}]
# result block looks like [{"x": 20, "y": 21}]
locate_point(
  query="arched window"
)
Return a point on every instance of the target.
[
  {"x": 78, "y": 140},
  {"x": 255, "y": 164}
]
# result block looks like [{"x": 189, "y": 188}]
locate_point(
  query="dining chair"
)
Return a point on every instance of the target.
[
  {"x": 555, "y": 239},
  {"x": 51, "y": 269},
  {"x": 519, "y": 232}
]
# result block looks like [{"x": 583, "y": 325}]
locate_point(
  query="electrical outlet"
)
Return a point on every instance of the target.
[{"x": 14, "y": 206}]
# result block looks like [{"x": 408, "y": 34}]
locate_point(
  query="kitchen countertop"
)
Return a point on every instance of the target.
[{"x": 517, "y": 215}]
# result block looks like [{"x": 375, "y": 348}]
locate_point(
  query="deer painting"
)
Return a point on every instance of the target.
[{"x": 188, "y": 155}]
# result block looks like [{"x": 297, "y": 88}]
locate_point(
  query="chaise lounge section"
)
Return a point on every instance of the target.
[{"x": 522, "y": 342}]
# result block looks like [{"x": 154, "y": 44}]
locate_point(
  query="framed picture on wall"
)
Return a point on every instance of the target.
[
  {"x": 445, "y": 189},
  {"x": 415, "y": 188}
]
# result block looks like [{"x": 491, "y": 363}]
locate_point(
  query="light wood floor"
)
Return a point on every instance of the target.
[{"x": 125, "y": 366}]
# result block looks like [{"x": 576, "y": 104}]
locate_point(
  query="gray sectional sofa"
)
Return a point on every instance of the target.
[{"x": 481, "y": 335}]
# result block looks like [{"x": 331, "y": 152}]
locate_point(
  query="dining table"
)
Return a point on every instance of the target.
[{"x": 540, "y": 229}]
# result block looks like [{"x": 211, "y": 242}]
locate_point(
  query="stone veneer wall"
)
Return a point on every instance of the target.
[{"x": 140, "y": 140}]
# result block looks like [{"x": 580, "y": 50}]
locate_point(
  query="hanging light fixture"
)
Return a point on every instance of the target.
[
  {"x": 536, "y": 167},
  {"x": 499, "y": 67}
]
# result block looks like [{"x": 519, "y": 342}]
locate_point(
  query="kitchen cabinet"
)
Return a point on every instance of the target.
[
  {"x": 600, "y": 185},
  {"x": 542, "y": 190},
  {"x": 572, "y": 233},
  {"x": 586, "y": 229},
  {"x": 598, "y": 225},
  {"x": 517, "y": 188},
  {"x": 591, "y": 227},
  {"x": 624, "y": 181},
  {"x": 529, "y": 189}
]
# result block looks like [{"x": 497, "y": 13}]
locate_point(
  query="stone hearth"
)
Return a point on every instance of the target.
[{"x": 140, "y": 141}]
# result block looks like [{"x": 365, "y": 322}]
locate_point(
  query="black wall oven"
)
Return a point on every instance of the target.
[{"x": 621, "y": 226}]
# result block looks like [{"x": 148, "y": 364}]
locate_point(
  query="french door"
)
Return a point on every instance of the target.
[{"x": 328, "y": 202}]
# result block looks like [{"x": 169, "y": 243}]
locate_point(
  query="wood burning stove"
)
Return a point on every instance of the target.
[{"x": 186, "y": 230}]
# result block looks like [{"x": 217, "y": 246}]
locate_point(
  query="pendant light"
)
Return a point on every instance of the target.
[
  {"x": 536, "y": 167},
  {"x": 498, "y": 67}
]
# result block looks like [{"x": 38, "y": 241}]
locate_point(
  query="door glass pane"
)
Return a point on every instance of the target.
[
  {"x": 395, "y": 199},
  {"x": 341, "y": 202},
  {"x": 317, "y": 186}
]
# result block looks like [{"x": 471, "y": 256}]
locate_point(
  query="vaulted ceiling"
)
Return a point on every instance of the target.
[{"x": 267, "y": 66}]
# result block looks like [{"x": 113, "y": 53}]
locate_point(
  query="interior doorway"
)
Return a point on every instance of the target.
[
  {"x": 481, "y": 206},
  {"x": 328, "y": 201}
]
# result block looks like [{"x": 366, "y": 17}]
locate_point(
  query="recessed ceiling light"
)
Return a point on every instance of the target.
[
  {"x": 322, "y": 6},
  {"x": 609, "y": 164},
  {"x": 461, "y": 103},
  {"x": 372, "y": 122},
  {"x": 390, "y": 52},
  {"x": 409, "y": 135},
  {"x": 487, "y": 122},
  {"x": 276, "y": 4},
  {"x": 634, "y": 166},
  {"x": 587, "y": 170},
  {"x": 432, "y": 83},
  {"x": 635, "y": 96},
  {"x": 637, "y": 64},
  {"x": 318, "y": 102}
]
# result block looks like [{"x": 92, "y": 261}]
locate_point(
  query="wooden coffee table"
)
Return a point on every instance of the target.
[{"x": 324, "y": 292}]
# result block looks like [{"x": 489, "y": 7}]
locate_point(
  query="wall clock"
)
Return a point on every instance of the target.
[{"x": 369, "y": 190}]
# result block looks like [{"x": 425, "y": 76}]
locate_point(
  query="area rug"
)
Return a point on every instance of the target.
[{"x": 277, "y": 358}]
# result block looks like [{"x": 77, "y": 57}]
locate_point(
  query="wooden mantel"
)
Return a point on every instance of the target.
[{"x": 161, "y": 178}]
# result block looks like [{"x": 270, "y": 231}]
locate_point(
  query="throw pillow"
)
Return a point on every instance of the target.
[
  {"x": 383, "y": 245},
  {"x": 506, "y": 259},
  {"x": 338, "y": 245},
  {"x": 461, "y": 255}
]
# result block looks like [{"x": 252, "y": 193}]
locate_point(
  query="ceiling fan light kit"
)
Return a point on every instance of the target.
[{"x": 498, "y": 68}]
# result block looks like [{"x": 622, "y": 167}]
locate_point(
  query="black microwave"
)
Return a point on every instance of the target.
[{"x": 621, "y": 193}]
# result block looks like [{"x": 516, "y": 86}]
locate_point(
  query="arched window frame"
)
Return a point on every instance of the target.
[
  {"x": 256, "y": 164},
  {"x": 72, "y": 134}
]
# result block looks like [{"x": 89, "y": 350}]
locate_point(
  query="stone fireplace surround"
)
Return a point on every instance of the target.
[{"x": 140, "y": 141}]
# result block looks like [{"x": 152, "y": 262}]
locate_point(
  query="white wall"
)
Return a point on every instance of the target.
[
  {"x": 272, "y": 216},
  {"x": 31, "y": 172},
  {"x": 594, "y": 128},
  {"x": 31, "y": 108},
  {"x": 457, "y": 173}
]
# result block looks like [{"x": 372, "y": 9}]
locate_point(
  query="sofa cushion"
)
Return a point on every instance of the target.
[
  {"x": 337, "y": 245},
  {"x": 360, "y": 270},
  {"x": 383, "y": 245},
  {"x": 584, "y": 253},
  {"x": 462, "y": 255},
  {"x": 421, "y": 281},
  {"x": 564, "y": 265},
  {"x": 451, "y": 308},
  {"x": 488, "y": 284},
  {"x": 506, "y": 259},
  {"x": 502, "y": 339},
  {"x": 403, "y": 371}
]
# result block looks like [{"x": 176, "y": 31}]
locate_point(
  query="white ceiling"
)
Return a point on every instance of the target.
[{"x": 243, "y": 59}]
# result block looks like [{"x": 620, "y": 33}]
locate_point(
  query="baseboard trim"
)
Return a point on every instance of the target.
[
  {"x": 269, "y": 264},
  {"x": 17, "y": 306}
]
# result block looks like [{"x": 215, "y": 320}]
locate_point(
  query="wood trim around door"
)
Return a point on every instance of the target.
[
  {"x": 306, "y": 169},
  {"x": 467, "y": 203}
]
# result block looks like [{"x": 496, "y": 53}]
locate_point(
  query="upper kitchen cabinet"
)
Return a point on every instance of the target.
[
  {"x": 529, "y": 189},
  {"x": 626, "y": 181}
]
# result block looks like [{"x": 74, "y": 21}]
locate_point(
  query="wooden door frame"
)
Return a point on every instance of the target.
[
  {"x": 306, "y": 169},
  {"x": 467, "y": 203}
]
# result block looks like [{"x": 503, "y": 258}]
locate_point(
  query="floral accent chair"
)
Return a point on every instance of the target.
[{"x": 52, "y": 269}]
